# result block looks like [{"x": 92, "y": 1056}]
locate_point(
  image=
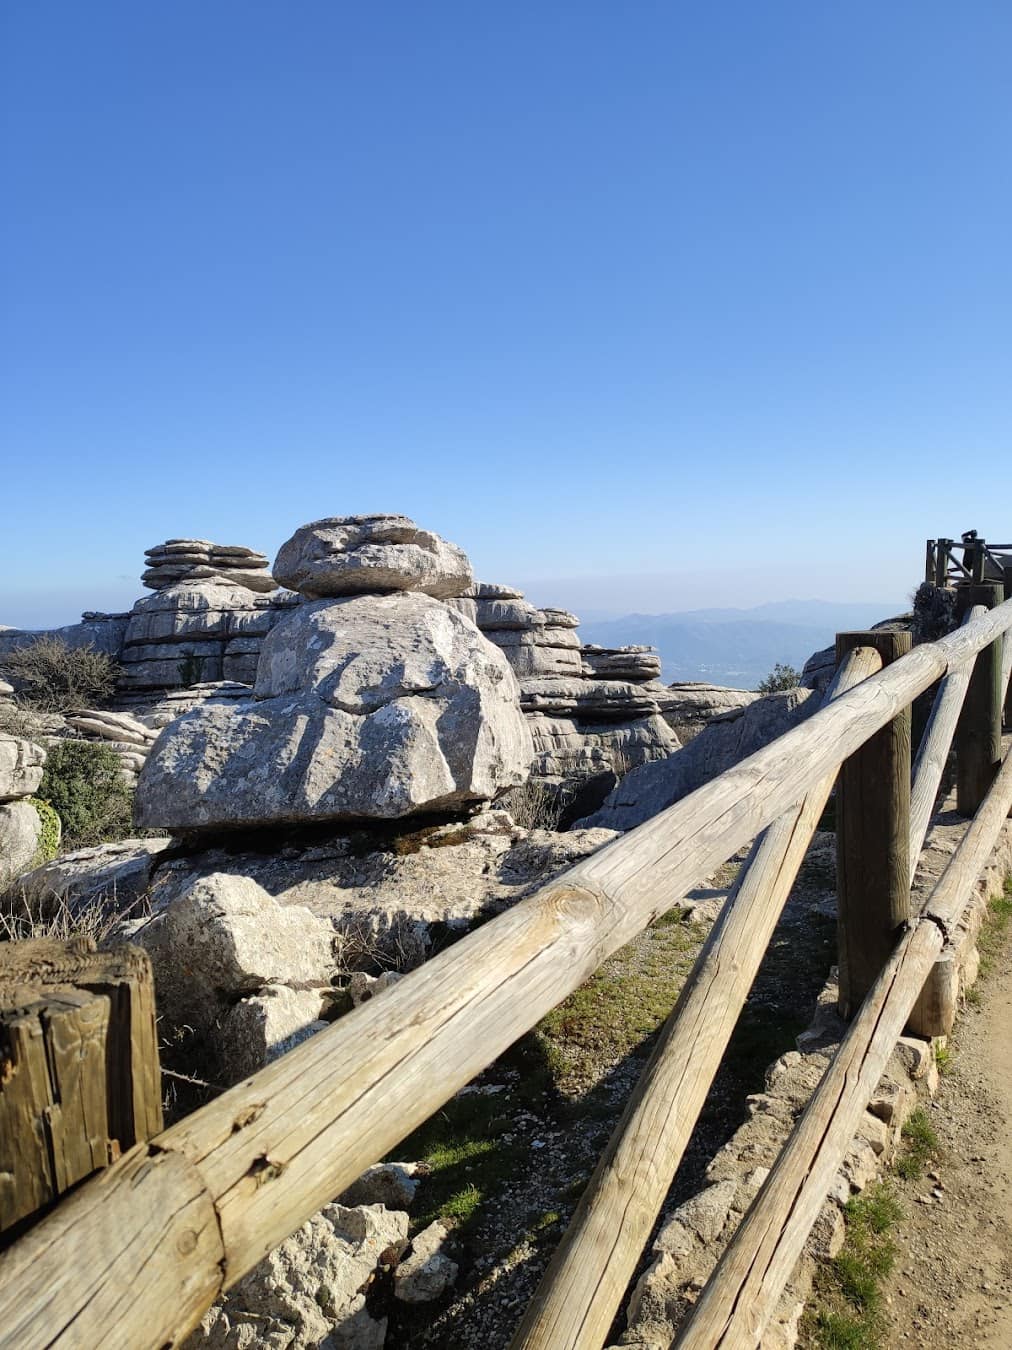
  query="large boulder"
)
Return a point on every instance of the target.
[
  {"x": 21, "y": 766},
  {"x": 658, "y": 785},
  {"x": 20, "y": 835},
  {"x": 111, "y": 877},
  {"x": 223, "y": 939},
  {"x": 371, "y": 707},
  {"x": 354, "y": 555}
]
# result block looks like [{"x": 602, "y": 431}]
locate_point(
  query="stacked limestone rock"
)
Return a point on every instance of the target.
[
  {"x": 179, "y": 560},
  {"x": 213, "y": 605},
  {"x": 592, "y": 711},
  {"x": 21, "y": 767},
  {"x": 372, "y": 699},
  {"x": 130, "y": 739}
]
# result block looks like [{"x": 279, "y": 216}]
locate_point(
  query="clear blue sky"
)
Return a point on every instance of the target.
[{"x": 590, "y": 288}]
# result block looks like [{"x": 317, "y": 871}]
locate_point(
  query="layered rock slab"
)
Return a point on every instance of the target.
[
  {"x": 355, "y": 555},
  {"x": 370, "y": 707}
]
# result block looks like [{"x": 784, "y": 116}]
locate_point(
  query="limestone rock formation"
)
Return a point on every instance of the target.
[
  {"x": 223, "y": 937},
  {"x": 656, "y": 786},
  {"x": 179, "y": 560},
  {"x": 111, "y": 877},
  {"x": 310, "y": 1291},
  {"x": 368, "y": 707},
  {"x": 21, "y": 767},
  {"x": 593, "y": 712},
  {"x": 20, "y": 833},
  {"x": 193, "y": 632},
  {"x": 163, "y": 708},
  {"x": 692, "y": 706},
  {"x": 103, "y": 632},
  {"x": 355, "y": 555},
  {"x": 125, "y": 735}
]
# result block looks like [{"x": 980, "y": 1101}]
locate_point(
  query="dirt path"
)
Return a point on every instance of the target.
[{"x": 952, "y": 1283}]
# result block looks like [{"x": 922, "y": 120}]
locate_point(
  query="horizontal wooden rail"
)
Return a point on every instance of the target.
[
  {"x": 734, "y": 1308},
  {"x": 934, "y": 748},
  {"x": 272, "y": 1151},
  {"x": 583, "y": 1287}
]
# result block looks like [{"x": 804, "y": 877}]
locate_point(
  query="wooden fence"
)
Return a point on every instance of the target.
[{"x": 137, "y": 1255}]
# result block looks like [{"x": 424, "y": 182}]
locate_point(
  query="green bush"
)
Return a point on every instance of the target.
[
  {"x": 83, "y": 783},
  {"x": 781, "y": 677},
  {"x": 52, "y": 677},
  {"x": 52, "y": 830}
]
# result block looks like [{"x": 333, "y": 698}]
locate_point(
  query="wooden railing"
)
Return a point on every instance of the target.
[{"x": 140, "y": 1252}]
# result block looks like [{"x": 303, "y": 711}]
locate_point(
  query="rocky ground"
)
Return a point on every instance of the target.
[
  {"x": 509, "y": 1157},
  {"x": 952, "y": 1282}
]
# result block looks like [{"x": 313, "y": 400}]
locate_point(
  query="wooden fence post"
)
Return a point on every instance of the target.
[
  {"x": 978, "y": 733},
  {"x": 79, "y": 1076},
  {"x": 872, "y": 838}
]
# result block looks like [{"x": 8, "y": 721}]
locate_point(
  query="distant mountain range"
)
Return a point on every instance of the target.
[{"x": 737, "y": 647}]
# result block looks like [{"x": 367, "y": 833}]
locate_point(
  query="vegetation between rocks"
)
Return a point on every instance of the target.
[
  {"x": 846, "y": 1312},
  {"x": 52, "y": 677},
  {"x": 83, "y": 784}
]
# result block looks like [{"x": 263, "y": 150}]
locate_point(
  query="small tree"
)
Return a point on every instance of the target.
[
  {"x": 52, "y": 677},
  {"x": 780, "y": 678},
  {"x": 83, "y": 783}
]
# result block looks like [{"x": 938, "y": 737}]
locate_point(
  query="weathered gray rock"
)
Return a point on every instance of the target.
[
  {"x": 22, "y": 764},
  {"x": 265, "y": 1025},
  {"x": 195, "y": 631},
  {"x": 595, "y": 699},
  {"x": 20, "y": 832},
  {"x": 691, "y": 706},
  {"x": 222, "y": 938},
  {"x": 367, "y": 707},
  {"x": 387, "y": 904},
  {"x": 113, "y": 876},
  {"x": 157, "y": 709},
  {"x": 180, "y": 560},
  {"x": 621, "y": 663},
  {"x": 391, "y": 1184},
  {"x": 427, "y": 1272},
  {"x": 103, "y": 632},
  {"x": 658, "y": 785},
  {"x": 309, "y": 1292},
  {"x": 353, "y": 555}
]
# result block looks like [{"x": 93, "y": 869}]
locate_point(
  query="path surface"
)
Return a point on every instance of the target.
[{"x": 952, "y": 1284}]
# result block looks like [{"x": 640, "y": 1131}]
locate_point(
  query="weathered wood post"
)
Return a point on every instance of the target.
[
  {"x": 978, "y": 733},
  {"x": 79, "y": 1075},
  {"x": 872, "y": 838}
]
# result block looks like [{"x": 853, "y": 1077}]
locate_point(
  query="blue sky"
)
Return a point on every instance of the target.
[{"x": 639, "y": 303}]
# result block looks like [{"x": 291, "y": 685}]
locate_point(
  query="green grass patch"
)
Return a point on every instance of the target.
[
  {"x": 846, "y": 1311},
  {"x": 919, "y": 1145},
  {"x": 992, "y": 936}
]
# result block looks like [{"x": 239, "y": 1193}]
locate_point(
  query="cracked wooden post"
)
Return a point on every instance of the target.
[
  {"x": 79, "y": 1077},
  {"x": 978, "y": 733},
  {"x": 872, "y": 838}
]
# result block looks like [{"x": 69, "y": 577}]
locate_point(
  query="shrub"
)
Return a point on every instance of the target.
[
  {"x": 49, "y": 838},
  {"x": 53, "y": 677},
  {"x": 781, "y": 677},
  {"x": 83, "y": 783}
]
